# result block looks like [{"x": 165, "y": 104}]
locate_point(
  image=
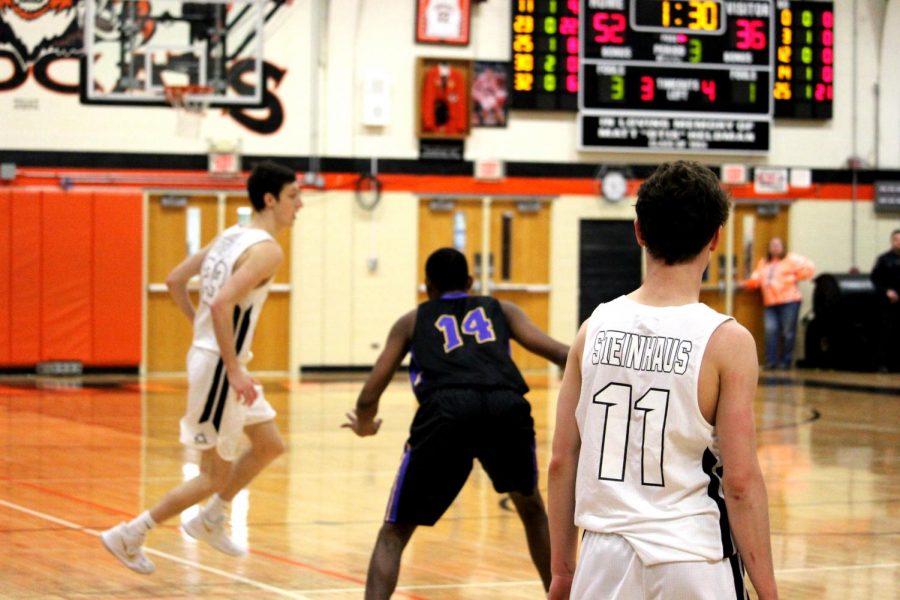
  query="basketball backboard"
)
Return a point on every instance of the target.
[{"x": 133, "y": 49}]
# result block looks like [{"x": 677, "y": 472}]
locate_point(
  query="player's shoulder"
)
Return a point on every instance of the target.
[
  {"x": 730, "y": 338},
  {"x": 267, "y": 249},
  {"x": 409, "y": 316},
  {"x": 405, "y": 325},
  {"x": 508, "y": 309},
  {"x": 265, "y": 257}
]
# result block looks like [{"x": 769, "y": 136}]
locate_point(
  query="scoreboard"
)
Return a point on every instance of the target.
[
  {"x": 545, "y": 54},
  {"x": 804, "y": 59},
  {"x": 676, "y": 75},
  {"x": 703, "y": 75}
]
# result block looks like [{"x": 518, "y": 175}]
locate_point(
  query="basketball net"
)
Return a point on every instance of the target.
[{"x": 189, "y": 109}]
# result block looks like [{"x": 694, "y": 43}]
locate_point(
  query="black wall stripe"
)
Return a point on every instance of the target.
[
  {"x": 239, "y": 343},
  {"x": 715, "y": 485},
  {"x": 407, "y": 166}
]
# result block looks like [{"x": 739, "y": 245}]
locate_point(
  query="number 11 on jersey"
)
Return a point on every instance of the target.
[{"x": 652, "y": 409}]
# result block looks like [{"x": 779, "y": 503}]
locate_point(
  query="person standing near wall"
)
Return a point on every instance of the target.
[
  {"x": 224, "y": 401},
  {"x": 471, "y": 406},
  {"x": 886, "y": 278},
  {"x": 776, "y": 276}
]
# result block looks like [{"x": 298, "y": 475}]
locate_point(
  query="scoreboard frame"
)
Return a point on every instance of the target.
[
  {"x": 625, "y": 125},
  {"x": 545, "y": 47},
  {"x": 804, "y": 60}
]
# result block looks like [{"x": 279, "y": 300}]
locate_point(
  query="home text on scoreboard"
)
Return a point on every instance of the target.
[
  {"x": 545, "y": 54},
  {"x": 676, "y": 75},
  {"x": 804, "y": 59}
]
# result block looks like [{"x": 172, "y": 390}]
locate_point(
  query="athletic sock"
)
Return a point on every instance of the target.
[
  {"x": 142, "y": 523},
  {"x": 216, "y": 509}
]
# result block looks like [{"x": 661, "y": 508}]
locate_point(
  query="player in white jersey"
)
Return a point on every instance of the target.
[
  {"x": 654, "y": 450},
  {"x": 224, "y": 401}
]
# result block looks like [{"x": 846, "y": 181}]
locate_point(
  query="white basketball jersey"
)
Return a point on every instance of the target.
[
  {"x": 217, "y": 268},
  {"x": 443, "y": 19},
  {"x": 649, "y": 468}
]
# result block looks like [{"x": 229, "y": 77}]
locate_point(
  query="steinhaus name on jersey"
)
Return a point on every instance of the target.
[{"x": 641, "y": 352}]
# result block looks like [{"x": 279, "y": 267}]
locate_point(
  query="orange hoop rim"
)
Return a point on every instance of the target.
[{"x": 179, "y": 96}]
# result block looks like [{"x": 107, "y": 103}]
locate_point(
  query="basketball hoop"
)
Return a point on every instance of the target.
[{"x": 190, "y": 103}]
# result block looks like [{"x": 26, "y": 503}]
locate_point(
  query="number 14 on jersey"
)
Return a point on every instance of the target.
[{"x": 476, "y": 323}]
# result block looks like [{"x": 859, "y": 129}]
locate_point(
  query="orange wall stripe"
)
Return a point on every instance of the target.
[{"x": 420, "y": 184}]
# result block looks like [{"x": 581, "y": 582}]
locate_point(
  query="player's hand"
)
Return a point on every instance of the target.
[
  {"x": 560, "y": 587},
  {"x": 243, "y": 385},
  {"x": 362, "y": 428},
  {"x": 893, "y": 297}
]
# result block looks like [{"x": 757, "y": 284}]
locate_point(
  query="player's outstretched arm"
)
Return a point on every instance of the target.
[
  {"x": 361, "y": 420},
  {"x": 734, "y": 352},
  {"x": 563, "y": 466},
  {"x": 178, "y": 278},
  {"x": 256, "y": 266},
  {"x": 531, "y": 337}
]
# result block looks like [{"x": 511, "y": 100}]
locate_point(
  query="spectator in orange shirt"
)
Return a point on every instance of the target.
[{"x": 777, "y": 276}]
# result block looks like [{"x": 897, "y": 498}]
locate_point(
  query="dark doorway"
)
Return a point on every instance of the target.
[{"x": 610, "y": 263}]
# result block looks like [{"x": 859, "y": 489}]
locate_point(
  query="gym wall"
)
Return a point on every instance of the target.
[
  {"x": 70, "y": 277},
  {"x": 342, "y": 310},
  {"x": 317, "y": 54}
]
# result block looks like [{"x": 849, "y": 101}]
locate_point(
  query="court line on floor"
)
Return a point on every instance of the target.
[
  {"x": 537, "y": 582},
  {"x": 253, "y": 551},
  {"x": 52, "y": 492},
  {"x": 200, "y": 567},
  {"x": 837, "y": 568},
  {"x": 434, "y": 586},
  {"x": 471, "y": 585},
  {"x": 299, "y": 596}
]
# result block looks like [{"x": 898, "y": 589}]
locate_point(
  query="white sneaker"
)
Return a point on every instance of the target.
[
  {"x": 126, "y": 546},
  {"x": 213, "y": 533}
]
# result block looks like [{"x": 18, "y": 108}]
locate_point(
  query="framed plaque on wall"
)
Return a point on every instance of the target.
[
  {"x": 443, "y": 22},
  {"x": 444, "y": 97}
]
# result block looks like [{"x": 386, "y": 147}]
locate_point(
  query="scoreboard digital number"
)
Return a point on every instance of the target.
[
  {"x": 804, "y": 59},
  {"x": 674, "y": 89},
  {"x": 676, "y": 74},
  {"x": 545, "y": 54}
]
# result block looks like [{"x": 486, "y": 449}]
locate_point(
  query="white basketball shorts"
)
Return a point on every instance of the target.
[
  {"x": 214, "y": 417},
  {"x": 609, "y": 568}
]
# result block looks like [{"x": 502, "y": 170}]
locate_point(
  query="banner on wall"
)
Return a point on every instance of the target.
[
  {"x": 490, "y": 94},
  {"x": 887, "y": 196}
]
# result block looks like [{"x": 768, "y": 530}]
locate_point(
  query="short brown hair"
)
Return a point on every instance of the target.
[{"x": 679, "y": 208}]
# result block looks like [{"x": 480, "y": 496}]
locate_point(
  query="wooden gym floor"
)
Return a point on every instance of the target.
[{"x": 81, "y": 455}]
